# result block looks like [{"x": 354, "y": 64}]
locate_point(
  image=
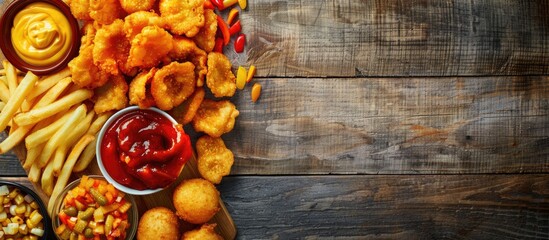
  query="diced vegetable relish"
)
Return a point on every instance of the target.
[
  {"x": 20, "y": 217},
  {"x": 93, "y": 210}
]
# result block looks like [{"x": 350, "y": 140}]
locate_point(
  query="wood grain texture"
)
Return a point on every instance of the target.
[
  {"x": 389, "y": 207},
  {"x": 395, "y": 38},
  {"x": 393, "y": 126}
]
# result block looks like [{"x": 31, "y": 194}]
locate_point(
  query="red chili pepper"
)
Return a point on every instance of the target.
[
  {"x": 239, "y": 43},
  {"x": 224, "y": 30},
  {"x": 208, "y": 5},
  {"x": 235, "y": 28},
  {"x": 218, "y": 47},
  {"x": 218, "y": 4}
]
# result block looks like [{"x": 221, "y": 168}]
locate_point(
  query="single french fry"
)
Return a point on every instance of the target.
[
  {"x": 60, "y": 136},
  {"x": 53, "y": 93},
  {"x": 2, "y": 71},
  {"x": 16, "y": 99},
  {"x": 32, "y": 155},
  {"x": 11, "y": 76},
  {"x": 4, "y": 92},
  {"x": 44, "y": 131},
  {"x": 2, "y": 105},
  {"x": 35, "y": 173},
  {"x": 75, "y": 134},
  {"x": 86, "y": 157},
  {"x": 37, "y": 114},
  {"x": 98, "y": 123},
  {"x": 59, "y": 158},
  {"x": 47, "y": 82},
  {"x": 63, "y": 178},
  {"x": 14, "y": 138},
  {"x": 47, "y": 179}
]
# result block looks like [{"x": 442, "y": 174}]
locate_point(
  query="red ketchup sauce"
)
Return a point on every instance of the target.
[{"x": 145, "y": 150}]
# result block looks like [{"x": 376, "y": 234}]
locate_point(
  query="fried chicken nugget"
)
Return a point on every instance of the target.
[
  {"x": 135, "y": 22},
  {"x": 140, "y": 89},
  {"x": 172, "y": 84},
  {"x": 111, "y": 49},
  {"x": 185, "y": 112},
  {"x": 131, "y": 6},
  {"x": 215, "y": 117},
  {"x": 185, "y": 49},
  {"x": 84, "y": 72},
  {"x": 80, "y": 9},
  {"x": 105, "y": 11},
  {"x": 205, "y": 39},
  {"x": 158, "y": 223},
  {"x": 183, "y": 17},
  {"x": 214, "y": 158},
  {"x": 196, "y": 200},
  {"x": 220, "y": 79},
  {"x": 149, "y": 47},
  {"x": 205, "y": 232},
  {"x": 112, "y": 95}
]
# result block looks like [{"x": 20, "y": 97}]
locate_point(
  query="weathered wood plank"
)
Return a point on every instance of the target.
[
  {"x": 389, "y": 207},
  {"x": 396, "y": 38},
  {"x": 9, "y": 164},
  {"x": 393, "y": 126}
]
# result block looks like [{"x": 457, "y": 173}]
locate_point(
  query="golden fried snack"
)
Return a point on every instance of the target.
[
  {"x": 205, "y": 39},
  {"x": 183, "y": 17},
  {"x": 185, "y": 49},
  {"x": 80, "y": 9},
  {"x": 215, "y": 117},
  {"x": 149, "y": 47},
  {"x": 214, "y": 158},
  {"x": 131, "y": 6},
  {"x": 158, "y": 223},
  {"x": 185, "y": 112},
  {"x": 105, "y": 11},
  {"x": 196, "y": 200},
  {"x": 135, "y": 22},
  {"x": 112, "y": 95},
  {"x": 205, "y": 232},
  {"x": 219, "y": 78},
  {"x": 111, "y": 48},
  {"x": 140, "y": 89},
  {"x": 172, "y": 84},
  {"x": 84, "y": 72}
]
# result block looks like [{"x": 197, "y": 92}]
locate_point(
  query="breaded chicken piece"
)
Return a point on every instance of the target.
[
  {"x": 172, "y": 84},
  {"x": 185, "y": 112},
  {"x": 112, "y": 95},
  {"x": 205, "y": 39},
  {"x": 84, "y": 73},
  {"x": 140, "y": 89},
  {"x": 196, "y": 200},
  {"x": 135, "y": 22},
  {"x": 214, "y": 158},
  {"x": 106, "y": 11},
  {"x": 131, "y": 6},
  {"x": 158, "y": 223},
  {"x": 149, "y": 47},
  {"x": 183, "y": 17},
  {"x": 111, "y": 48},
  {"x": 205, "y": 232},
  {"x": 215, "y": 117},
  {"x": 80, "y": 9},
  {"x": 220, "y": 79},
  {"x": 185, "y": 49}
]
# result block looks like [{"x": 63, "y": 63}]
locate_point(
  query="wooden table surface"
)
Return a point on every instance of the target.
[{"x": 390, "y": 119}]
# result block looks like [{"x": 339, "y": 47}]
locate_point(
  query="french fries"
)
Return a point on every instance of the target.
[{"x": 51, "y": 116}]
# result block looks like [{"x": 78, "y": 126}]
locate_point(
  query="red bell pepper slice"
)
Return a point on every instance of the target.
[
  {"x": 208, "y": 5},
  {"x": 224, "y": 30},
  {"x": 239, "y": 43},
  {"x": 232, "y": 16},
  {"x": 218, "y": 47},
  {"x": 218, "y": 4},
  {"x": 235, "y": 28}
]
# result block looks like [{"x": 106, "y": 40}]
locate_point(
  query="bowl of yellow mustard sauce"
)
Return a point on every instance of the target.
[{"x": 39, "y": 36}]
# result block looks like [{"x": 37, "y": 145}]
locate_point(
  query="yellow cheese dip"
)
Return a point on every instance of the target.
[{"x": 41, "y": 34}]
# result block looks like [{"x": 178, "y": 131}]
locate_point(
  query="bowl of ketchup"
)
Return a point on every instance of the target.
[{"x": 142, "y": 151}]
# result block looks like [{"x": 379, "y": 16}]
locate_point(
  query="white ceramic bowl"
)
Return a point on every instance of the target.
[{"x": 107, "y": 124}]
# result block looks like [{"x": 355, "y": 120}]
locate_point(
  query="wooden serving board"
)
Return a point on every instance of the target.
[{"x": 225, "y": 225}]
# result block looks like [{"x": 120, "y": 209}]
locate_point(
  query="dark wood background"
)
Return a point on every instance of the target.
[{"x": 390, "y": 120}]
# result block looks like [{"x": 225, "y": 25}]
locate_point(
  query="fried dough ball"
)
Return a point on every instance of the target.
[
  {"x": 84, "y": 72},
  {"x": 183, "y": 17},
  {"x": 196, "y": 200},
  {"x": 149, "y": 47},
  {"x": 185, "y": 49},
  {"x": 135, "y": 22},
  {"x": 220, "y": 79},
  {"x": 172, "y": 84},
  {"x": 214, "y": 158},
  {"x": 205, "y": 232},
  {"x": 140, "y": 89},
  {"x": 105, "y": 11},
  {"x": 111, "y": 48},
  {"x": 112, "y": 95},
  {"x": 185, "y": 112},
  {"x": 80, "y": 9},
  {"x": 158, "y": 223},
  {"x": 205, "y": 39},
  {"x": 131, "y": 6},
  {"x": 215, "y": 117}
]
